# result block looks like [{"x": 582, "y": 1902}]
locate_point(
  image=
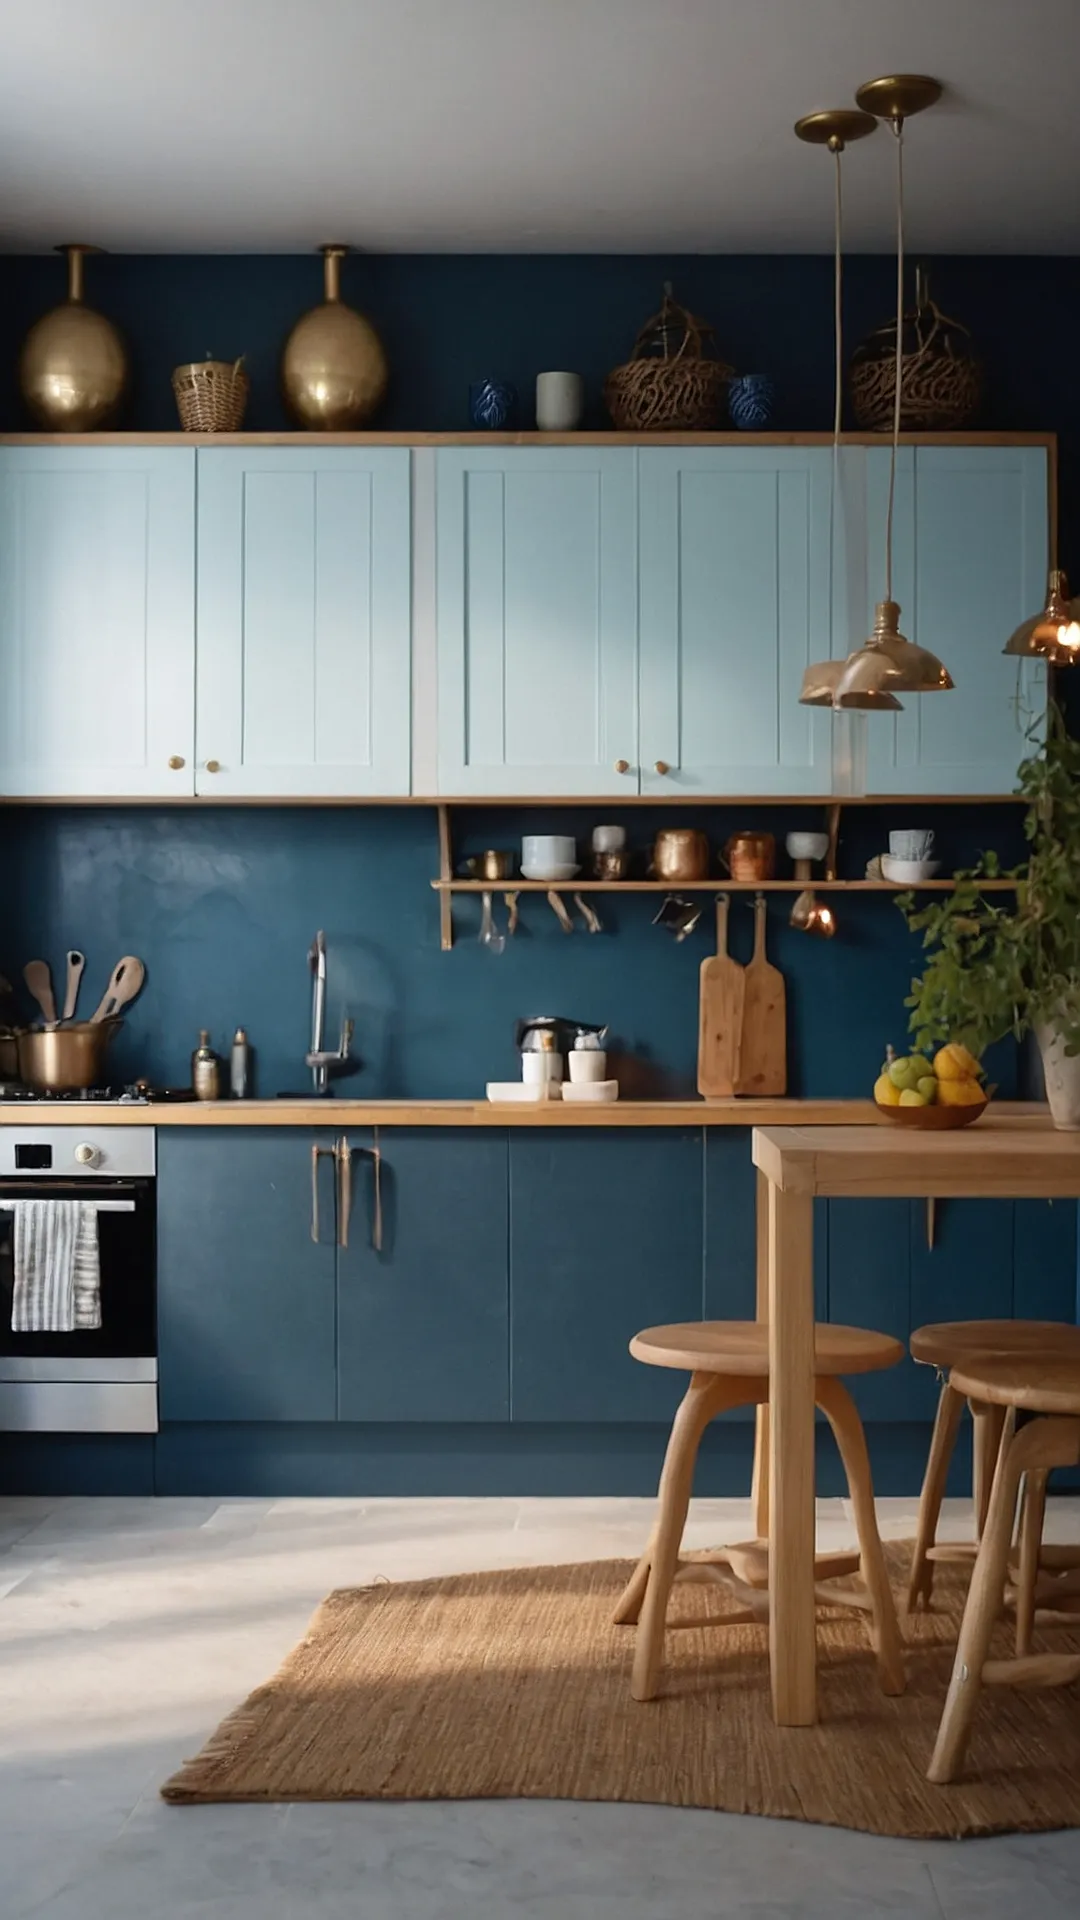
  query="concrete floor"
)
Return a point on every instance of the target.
[{"x": 128, "y": 1627}]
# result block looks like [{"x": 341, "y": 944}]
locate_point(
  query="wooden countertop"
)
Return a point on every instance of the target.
[{"x": 303, "y": 1112}]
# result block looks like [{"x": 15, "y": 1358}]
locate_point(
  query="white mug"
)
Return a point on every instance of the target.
[
  {"x": 560, "y": 399},
  {"x": 608, "y": 839},
  {"x": 588, "y": 1065},
  {"x": 547, "y": 850},
  {"x": 911, "y": 843}
]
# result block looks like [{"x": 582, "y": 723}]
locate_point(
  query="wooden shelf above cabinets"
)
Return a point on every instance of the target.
[{"x": 719, "y": 885}]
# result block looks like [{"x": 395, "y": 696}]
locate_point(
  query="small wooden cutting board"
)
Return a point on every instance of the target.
[
  {"x": 762, "y": 1064},
  {"x": 723, "y": 984}
]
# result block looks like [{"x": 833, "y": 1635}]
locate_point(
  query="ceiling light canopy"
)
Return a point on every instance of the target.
[{"x": 1054, "y": 634}]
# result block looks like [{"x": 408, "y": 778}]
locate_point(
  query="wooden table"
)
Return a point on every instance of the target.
[{"x": 1004, "y": 1157}]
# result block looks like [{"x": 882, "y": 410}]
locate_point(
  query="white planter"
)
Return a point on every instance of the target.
[{"x": 1062, "y": 1076}]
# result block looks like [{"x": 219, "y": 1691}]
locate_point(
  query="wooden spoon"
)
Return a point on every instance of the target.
[
  {"x": 76, "y": 961},
  {"x": 39, "y": 980},
  {"x": 127, "y": 977}
]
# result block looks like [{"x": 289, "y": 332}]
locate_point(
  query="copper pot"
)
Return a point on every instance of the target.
[
  {"x": 750, "y": 856},
  {"x": 680, "y": 853},
  {"x": 58, "y": 1059}
]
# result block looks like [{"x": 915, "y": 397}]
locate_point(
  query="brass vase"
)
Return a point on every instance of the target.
[
  {"x": 333, "y": 368},
  {"x": 73, "y": 368}
]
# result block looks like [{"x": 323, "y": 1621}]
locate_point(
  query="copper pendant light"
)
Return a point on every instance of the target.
[
  {"x": 887, "y": 663},
  {"x": 833, "y": 129},
  {"x": 1054, "y": 634}
]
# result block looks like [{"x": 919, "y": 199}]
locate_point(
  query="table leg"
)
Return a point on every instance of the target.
[
  {"x": 792, "y": 1643},
  {"x": 760, "y": 1488}
]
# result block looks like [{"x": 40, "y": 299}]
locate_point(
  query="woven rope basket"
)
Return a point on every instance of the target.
[
  {"x": 940, "y": 386},
  {"x": 211, "y": 395},
  {"x": 657, "y": 391}
]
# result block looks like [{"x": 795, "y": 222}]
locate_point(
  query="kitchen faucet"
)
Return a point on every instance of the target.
[{"x": 324, "y": 1065}]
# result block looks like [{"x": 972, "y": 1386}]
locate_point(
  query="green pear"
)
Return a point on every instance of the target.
[
  {"x": 927, "y": 1086},
  {"x": 907, "y": 1072}
]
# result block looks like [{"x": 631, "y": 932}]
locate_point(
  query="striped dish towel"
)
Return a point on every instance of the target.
[{"x": 57, "y": 1270}]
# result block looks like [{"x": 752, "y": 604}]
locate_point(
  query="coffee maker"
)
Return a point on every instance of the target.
[{"x": 553, "y": 1036}]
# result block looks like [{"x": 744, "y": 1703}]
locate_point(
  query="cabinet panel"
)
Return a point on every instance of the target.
[
  {"x": 423, "y": 1325},
  {"x": 735, "y": 602},
  {"x": 970, "y": 557},
  {"x": 97, "y": 620},
  {"x": 304, "y": 592},
  {"x": 245, "y": 1299},
  {"x": 537, "y": 620},
  {"x": 605, "y": 1238}
]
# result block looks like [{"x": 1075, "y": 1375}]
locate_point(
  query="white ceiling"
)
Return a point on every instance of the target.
[{"x": 527, "y": 125}]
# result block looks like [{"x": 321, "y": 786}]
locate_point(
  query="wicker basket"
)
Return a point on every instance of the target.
[
  {"x": 661, "y": 390},
  {"x": 211, "y": 395},
  {"x": 941, "y": 379}
]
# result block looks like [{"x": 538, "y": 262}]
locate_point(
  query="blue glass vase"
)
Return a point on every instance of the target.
[
  {"x": 750, "y": 401},
  {"x": 492, "y": 404}
]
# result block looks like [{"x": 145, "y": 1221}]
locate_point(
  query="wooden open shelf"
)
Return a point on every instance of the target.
[{"x": 719, "y": 885}]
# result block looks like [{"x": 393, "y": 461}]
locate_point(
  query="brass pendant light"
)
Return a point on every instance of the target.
[
  {"x": 1054, "y": 634},
  {"x": 887, "y": 663},
  {"x": 833, "y": 129}
]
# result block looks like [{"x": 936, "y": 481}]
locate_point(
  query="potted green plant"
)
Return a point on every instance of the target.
[{"x": 1014, "y": 968}]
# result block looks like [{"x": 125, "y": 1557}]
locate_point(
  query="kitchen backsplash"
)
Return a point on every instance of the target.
[{"x": 222, "y": 902}]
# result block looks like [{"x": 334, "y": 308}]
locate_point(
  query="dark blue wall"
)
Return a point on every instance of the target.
[
  {"x": 222, "y": 903},
  {"x": 446, "y": 318}
]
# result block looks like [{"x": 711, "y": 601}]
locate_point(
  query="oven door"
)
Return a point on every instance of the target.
[{"x": 101, "y": 1379}]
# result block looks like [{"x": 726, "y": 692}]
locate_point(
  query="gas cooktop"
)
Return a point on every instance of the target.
[{"x": 140, "y": 1095}]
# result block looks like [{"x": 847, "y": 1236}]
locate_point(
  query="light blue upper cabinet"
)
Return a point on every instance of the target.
[
  {"x": 735, "y": 602},
  {"x": 304, "y": 593},
  {"x": 537, "y": 620},
  {"x": 970, "y": 558},
  {"x": 97, "y": 621}
]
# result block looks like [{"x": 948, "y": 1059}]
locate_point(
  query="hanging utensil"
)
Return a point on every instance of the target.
[
  {"x": 511, "y": 902},
  {"x": 588, "y": 913},
  {"x": 76, "y": 961},
  {"x": 127, "y": 978},
  {"x": 555, "y": 902},
  {"x": 39, "y": 980},
  {"x": 488, "y": 936}
]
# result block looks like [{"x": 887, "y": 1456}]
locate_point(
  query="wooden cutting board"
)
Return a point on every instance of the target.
[
  {"x": 762, "y": 1065},
  {"x": 723, "y": 983}
]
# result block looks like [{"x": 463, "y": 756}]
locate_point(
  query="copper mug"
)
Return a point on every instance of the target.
[
  {"x": 750, "y": 856},
  {"x": 680, "y": 853}
]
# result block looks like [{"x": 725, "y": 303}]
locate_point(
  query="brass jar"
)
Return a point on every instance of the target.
[
  {"x": 333, "y": 368},
  {"x": 73, "y": 368}
]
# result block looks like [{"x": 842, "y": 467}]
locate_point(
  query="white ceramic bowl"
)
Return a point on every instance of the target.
[
  {"x": 562, "y": 872},
  {"x": 807, "y": 846},
  {"x": 599, "y": 1090},
  {"x": 908, "y": 873}
]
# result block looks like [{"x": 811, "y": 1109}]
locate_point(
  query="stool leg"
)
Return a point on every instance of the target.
[
  {"x": 949, "y": 1408},
  {"x": 983, "y": 1604},
  {"x": 759, "y": 1490},
  {"x": 1032, "y": 1516},
  {"x": 843, "y": 1417},
  {"x": 707, "y": 1395},
  {"x": 986, "y": 1441}
]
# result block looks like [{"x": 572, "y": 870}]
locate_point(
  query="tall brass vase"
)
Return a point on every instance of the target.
[
  {"x": 73, "y": 368},
  {"x": 333, "y": 368}
]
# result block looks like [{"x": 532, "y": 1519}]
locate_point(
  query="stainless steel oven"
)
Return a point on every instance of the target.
[{"x": 104, "y": 1379}]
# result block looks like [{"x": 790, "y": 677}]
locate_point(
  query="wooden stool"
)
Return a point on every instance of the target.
[
  {"x": 1049, "y": 1388},
  {"x": 952, "y": 1344},
  {"x": 728, "y": 1361}
]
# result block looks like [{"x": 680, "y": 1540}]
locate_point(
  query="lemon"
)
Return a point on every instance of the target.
[
  {"x": 960, "y": 1093},
  {"x": 954, "y": 1062},
  {"x": 885, "y": 1093}
]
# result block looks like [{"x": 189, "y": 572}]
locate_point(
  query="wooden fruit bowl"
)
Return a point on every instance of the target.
[{"x": 934, "y": 1119}]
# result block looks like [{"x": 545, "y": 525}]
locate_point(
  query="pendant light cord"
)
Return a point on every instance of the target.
[
  {"x": 838, "y": 380},
  {"x": 898, "y": 130}
]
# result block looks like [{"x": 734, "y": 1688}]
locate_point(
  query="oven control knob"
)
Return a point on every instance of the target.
[{"x": 86, "y": 1155}]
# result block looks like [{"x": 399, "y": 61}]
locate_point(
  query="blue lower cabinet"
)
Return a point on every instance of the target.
[
  {"x": 869, "y": 1269},
  {"x": 423, "y": 1324},
  {"x": 730, "y": 1275},
  {"x": 245, "y": 1298},
  {"x": 605, "y": 1238}
]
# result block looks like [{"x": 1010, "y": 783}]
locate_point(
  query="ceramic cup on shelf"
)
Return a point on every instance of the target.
[
  {"x": 911, "y": 843},
  {"x": 589, "y": 1065},
  {"x": 608, "y": 839},
  {"x": 548, "y": 856},
  {"x": 560, "y": 401},
  {"x": 492, "y": 404}
]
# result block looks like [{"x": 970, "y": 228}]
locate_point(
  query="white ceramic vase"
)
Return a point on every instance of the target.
[
  {"x": 560, "y": 400},
  {"x": 1062, "y": 1075}
]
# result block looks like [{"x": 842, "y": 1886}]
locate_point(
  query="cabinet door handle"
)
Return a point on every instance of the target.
[
  {"x": 622, "y": 766},
  {"x": 176, "y": 761},
  {"x": 317, "y": 1153},
  {"x": 214, "y": 766},
  {"x": 343, "y": 1154},
  {"x": 343, "y": 1165},
  {"x": 661, "y": 766}
]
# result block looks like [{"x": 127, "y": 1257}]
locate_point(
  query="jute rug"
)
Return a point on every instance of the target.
[{"x": 516, "y": 1684}]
